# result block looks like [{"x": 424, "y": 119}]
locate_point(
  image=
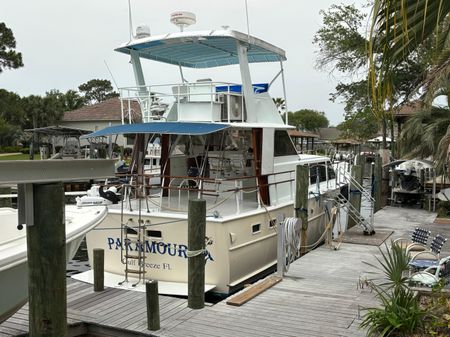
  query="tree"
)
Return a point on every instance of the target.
[
  {"x": 9, "y": 58},
  {"x": 342, "y": 46},
  {"x": 11, "y": 110},
  {"x": 96, "y": 91},
  {"x": 308, "y": 119},
  {"x": 400, "y": 29},
  {"x": 280, "y": 104}
]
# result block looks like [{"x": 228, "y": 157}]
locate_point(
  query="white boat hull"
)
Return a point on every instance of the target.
[
  {"x": 13, "y": 252},
  {"x": 237, "y": 253}
]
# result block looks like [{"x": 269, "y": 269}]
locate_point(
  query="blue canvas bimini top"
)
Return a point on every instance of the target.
[{"x": 170, "y": 128}]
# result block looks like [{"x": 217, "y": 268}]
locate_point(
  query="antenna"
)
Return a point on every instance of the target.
[
  {"x": 248, "y": 24},
  {"x": 130, "y": 20},
  {"x": 110, "y": 73}
]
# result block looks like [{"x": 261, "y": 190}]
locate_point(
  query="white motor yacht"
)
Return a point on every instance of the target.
[{"x": 223, "y": 142}]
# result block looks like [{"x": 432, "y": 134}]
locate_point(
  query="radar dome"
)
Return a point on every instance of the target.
[
  {"x": 142, "y": 31},
  {"x": 183, "y": 19}
]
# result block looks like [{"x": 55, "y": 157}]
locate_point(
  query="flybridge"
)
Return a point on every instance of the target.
[{"x": 203, "y": 49}]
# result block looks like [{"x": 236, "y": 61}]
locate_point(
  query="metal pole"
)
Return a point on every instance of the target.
[{"x": 284, "y": 93}]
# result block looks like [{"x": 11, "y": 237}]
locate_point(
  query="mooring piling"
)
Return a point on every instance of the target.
[{"x": 196, "y": 250}]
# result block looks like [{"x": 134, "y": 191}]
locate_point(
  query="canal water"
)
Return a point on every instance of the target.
[{"x": 80, "y": 262}]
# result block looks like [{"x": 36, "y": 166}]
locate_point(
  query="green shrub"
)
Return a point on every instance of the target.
[
  {"x": 10, "y": 149},
  {"x": 399, "y": 313}
]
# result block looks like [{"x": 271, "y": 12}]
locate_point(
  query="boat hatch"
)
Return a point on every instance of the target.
[
  {"x": 169, "y": 128},
  {"x": 204, "y": 49}
]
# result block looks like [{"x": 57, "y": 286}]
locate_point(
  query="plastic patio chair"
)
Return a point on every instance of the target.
[
  {"x": 431, "y": 276},
  {"x": 427, "y": 258},
  {"x": 417, "y": 242}
]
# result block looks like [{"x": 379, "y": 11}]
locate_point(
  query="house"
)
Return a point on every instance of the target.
[{"x": 101, "y": 115}]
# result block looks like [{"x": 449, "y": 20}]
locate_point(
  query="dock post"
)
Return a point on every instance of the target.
[
  {"x": 394, "y": 179},
  {"x": 355, "y": 197},
  {"x": 99, "y": 269},
  {"x": 281, "y": 250},
  {"x": 46, "y": 240},
  {"x": 377, "y": 183},
  {"x": 301, "y": 202},
  {"x": 153, "y": 321},
  {"x": 196, "y": 256}
]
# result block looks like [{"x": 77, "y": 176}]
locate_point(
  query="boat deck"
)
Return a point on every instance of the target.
[{"x": 319, "y": 296}]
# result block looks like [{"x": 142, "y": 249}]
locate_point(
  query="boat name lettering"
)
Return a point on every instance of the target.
[{"x": 153, "y": 247}]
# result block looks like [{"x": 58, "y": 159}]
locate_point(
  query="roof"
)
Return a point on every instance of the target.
[
  {"x": 203, "y": 49},
  {"x": 329, "y": 133},
  {"x": 295, "y": 133},
  {"x": 171, "y": 128},
  {"x": 409, "y": 109},
  {"x": 345, "y": 142},
  {"x": 59, "y": 131},
  {"x": 109, "y": 110}
]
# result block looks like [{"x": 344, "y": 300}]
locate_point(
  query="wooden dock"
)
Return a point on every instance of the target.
[{"x": 319, "y": 296}]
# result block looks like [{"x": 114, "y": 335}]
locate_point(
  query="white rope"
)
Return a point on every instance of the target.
[
  {"x": 292, "y": 240},
  {"x": 192, "y": 253}
]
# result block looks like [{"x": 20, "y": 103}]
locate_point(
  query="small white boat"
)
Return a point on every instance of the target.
[{"x": 13, "y": 251}]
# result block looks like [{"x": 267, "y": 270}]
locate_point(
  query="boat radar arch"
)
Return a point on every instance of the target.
[
  {"x": 142, "y": 31},
  {"x": 182, "y": 19}
]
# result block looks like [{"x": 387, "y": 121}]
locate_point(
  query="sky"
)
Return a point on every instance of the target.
[{"x": 66, "y": 43}]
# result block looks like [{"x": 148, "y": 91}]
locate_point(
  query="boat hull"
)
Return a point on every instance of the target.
[
  {"x": 241, "y": 247},
  {"x": 13, "y": 253}
]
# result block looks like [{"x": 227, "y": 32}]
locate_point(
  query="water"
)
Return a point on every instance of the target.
[{"x": 80, "y": 262}]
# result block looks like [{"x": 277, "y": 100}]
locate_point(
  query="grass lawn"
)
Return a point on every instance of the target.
[{"x": 19, "y": 157}]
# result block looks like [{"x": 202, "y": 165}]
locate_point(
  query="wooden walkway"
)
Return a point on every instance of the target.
[{"x": 319, "y": 296}]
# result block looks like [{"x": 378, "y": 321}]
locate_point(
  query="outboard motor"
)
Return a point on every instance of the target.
[{"x": 109, "y": 194}]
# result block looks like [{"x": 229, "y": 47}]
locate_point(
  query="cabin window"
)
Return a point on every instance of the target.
[
  {"x": 154, "y": 234},
  {"x": 282, "y": 144},
  {"x": 256, "y": 228},
  {"x": 331, "y": 173},
  {"x": 131, "y": 231},
  {"x": 272, "y": 223},
  {"x": 317, "y": 169}
]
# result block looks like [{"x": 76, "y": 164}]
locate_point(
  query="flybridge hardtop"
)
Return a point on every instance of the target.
[
  {"x": 203, "y": 49},
  {"x": 169, "y": 128}
]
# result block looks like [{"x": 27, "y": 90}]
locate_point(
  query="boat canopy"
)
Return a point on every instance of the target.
[
  {"x": 203, "y": 49},
  {"x": 171, "y": 128}
]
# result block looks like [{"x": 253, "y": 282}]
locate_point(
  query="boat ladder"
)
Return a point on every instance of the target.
[
  {"x": 367, "y": 201},
  {"x": 132, "y": 250}
]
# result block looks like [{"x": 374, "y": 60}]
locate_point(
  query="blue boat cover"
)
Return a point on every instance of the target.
[
  {"x": 237, "y": 88},
  {"x": 171, "y": 128}
]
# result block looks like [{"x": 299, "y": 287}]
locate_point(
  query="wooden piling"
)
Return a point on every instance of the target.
[
  {"x": 377, "y": 183},
  {"x": 301, "y": 202},
  {"x": 99, "y": 269},
  {"x": 196, "y": 245},
  {"x": 46, "y": 241},
  {"x": 153, "y": 320},
  {"x": 355, "y": 196}
]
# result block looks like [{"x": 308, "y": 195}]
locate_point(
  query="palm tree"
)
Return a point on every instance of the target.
[
  {"x": 280, "y": 104},
  {"x": 399, "y": 29}
]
